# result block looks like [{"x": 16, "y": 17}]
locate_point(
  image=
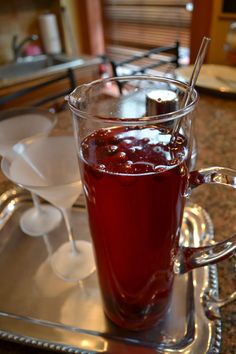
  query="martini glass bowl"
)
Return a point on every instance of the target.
[{"x": 18, "y": 124}]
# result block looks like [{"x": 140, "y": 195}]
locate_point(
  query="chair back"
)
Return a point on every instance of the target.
[{"x": 164, "y": 58}]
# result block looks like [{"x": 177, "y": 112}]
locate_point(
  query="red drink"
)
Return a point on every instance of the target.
[{"x": 135, "y": 183}]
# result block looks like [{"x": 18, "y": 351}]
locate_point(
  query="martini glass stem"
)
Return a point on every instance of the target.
[
  {"x": 66, "y": 215},
  {"x": 36, "y": 202},
  {"x": 47, "y": 244}
]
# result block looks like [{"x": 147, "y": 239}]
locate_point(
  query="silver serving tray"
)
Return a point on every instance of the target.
[{"x": 39, "y": 309}]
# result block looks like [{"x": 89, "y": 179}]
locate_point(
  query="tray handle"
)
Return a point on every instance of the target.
[{"x": 212, "y": 303}]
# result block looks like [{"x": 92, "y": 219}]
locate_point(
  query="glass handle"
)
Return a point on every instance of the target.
[
  {"x": 189, "y": 258},
  {"x": 213, "y": 175}
]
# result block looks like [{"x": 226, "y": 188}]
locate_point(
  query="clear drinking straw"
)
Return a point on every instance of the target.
[{"x": 192, "y": 81}]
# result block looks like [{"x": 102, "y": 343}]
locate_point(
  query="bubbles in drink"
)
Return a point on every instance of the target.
[
  {"x": 101, "y": 167},
  {"x": 111, "y": 149},
  {"x": 133, "y": 150},
  {"x": 122, "y": 155}
]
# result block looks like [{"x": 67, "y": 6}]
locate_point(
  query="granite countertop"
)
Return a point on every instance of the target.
[{"x": 215, "y": 127}]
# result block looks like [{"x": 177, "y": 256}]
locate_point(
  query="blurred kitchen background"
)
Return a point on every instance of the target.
[{"x": 96, "y": 31}]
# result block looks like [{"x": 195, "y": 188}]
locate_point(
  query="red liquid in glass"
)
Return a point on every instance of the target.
[{"x": 134, "y": 183}]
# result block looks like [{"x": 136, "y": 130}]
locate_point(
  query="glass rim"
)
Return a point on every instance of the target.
[
  {"x": 6, "y": 162},
  {"x": 15, "y": 111},
  {"x": 161, "y": 118}
]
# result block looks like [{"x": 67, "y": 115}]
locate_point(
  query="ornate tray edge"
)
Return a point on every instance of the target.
[{"x": 43, "y": 344}]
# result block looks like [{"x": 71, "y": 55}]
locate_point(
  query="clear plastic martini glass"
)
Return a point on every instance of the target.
[
  {"x": 48, "y": 167},
  {"x": 18, "y": 124}
]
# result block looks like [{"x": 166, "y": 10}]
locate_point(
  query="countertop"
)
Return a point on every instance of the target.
[
  {"x": 23, "y": 75},
  {"x": 215, "y": 127}
]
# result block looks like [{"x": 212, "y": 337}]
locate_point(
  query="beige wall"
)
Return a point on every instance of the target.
[
  {"x": 21, "y": 17},
  {"x": 72, "y": 28}
]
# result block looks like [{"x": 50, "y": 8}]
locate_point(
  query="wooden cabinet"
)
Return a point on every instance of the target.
[{"x": 212, "y": 18}]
